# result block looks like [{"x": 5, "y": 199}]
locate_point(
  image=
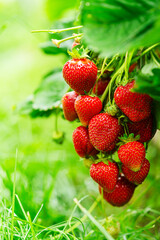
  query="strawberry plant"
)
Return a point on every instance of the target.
[{"x": 110, "y": 85}]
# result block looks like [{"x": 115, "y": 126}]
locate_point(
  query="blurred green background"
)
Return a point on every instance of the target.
[{"x": 46, "y": 172}]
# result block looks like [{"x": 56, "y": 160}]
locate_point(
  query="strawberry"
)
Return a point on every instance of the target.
[
  {"x": 82, "y": 143},
  {"x": 121, "y": 194},
  {"x": 136, "y": 106},
  {"x": 132, "y": 67},
  {"x": 100, "y": 87},
  {"x": 80, "y": 74},
  {"x": 105, "y": 175},
  {"x": 142, "y": 128},
  {"x": 104, "y": 131},
  {"x": 68, "y": 101},
  {"x": 87, "y": 107},
  {"x": 132, "y": 155},
  {"x": 137, "y": 177}
]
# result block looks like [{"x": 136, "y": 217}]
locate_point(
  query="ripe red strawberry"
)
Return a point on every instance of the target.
[
  {"x": 68, "y": 101},
  {"x": 100, "y": 87},
  {"x": 82, "y": 143},
  {"x": 137, "y": 177},
  {"x": 132, "y": 67},
  {"x": 132, "y": 155},
  {"x": 105, "y": 175},
  {"x": 142, "y": 128},
  {"x": 122, "y": 193},
  {"x": 136, "y": 106},
  {"x": 104, "y": 131},
  {"x": 87, "y": 107},
  {"x": 80, "y": 74}
]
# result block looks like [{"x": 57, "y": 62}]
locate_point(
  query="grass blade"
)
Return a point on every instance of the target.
[
  {"x": 13, "y": 198},
  {"x": 96, "y": 223}
]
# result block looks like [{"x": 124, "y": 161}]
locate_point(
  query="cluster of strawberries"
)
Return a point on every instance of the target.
[{"x": 100, "y": 133}]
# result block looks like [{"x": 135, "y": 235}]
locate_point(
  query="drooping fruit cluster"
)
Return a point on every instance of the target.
[{"x": 123, "y": 125}]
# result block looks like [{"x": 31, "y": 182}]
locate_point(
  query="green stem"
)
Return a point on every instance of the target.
[
  {"x": 108, "y": 88},
  {"x": 154, "y": 59},
  {"x": 58, "y": 42},
  {"x": 57, "y": 30},
  {"x": 103, "y": 69},
  {"x": 120, "y": 70},
  {"x": 128, "y": 59},
  {"x": 126, "y": 129},
  {"x": 103, "y": 65},
  {"x": 126, "y": 66},
  {"x": 144, "y": 52}
]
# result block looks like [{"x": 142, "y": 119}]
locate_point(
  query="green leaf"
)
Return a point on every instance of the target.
[
  {"x": 46, "y": 99},
  {"x": 26, "y": 108},
  {"x": 117, "y": 26},
  {"x": 148, "y": 81},
  {"x": 50, "y": 48},
  {"x": 48, "y": 95}
]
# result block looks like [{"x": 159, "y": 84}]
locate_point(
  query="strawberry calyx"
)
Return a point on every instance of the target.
[
  {"x": 122, "y": 119},
  {"x": 111, "y": 109},
  {"x": 78, "y": 52},
  {"x": 127, "y": 138},
  {"x": 126, "y": 81},
  {"x": 103, "y": 157}
]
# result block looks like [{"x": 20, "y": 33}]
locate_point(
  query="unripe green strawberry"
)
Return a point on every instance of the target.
[
  {"x": 68, "y": 101},
  {"x": 137, "y": 177},
  {"x": 87, "y": 107},
  {"x": 82, "y": 143},
  {"x": 104, "y": 131},
  {"x": 105, "y": 175},
  {"x": 100, "y": 86},
  {"x": 136, "y": 106},
  {"x": 122, "y": 193},
  {"x": 132, "y": 155},
  {"x": 80, "y": 74},
  {"x": 142, "y": 128}
]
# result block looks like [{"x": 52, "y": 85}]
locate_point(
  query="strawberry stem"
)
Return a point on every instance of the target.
[
  {"x": 58, "y": 42},
  {"x": 144, "y": 52},
  {"x": 108, "y": 88},
  {"x": 103, "y": 69},
  {"x": 154, "y": 59},
  {"x": 128, "y": 58},
  {"x": 126, "y": 129},
  {"x": 57, "y": 30}
]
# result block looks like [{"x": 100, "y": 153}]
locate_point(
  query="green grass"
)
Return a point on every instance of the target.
[{"x": 49, "y": 176}]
